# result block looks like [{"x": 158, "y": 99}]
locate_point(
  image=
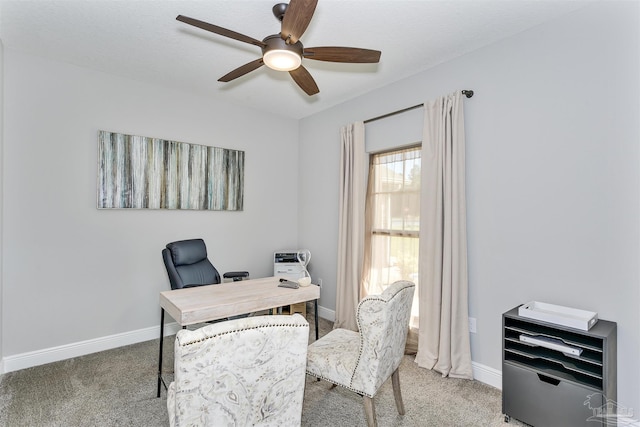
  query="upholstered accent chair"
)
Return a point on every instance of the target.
[
  {"x": 362, "y": 361},
  {"x": 242, "y": 372},
  {"x": 187, "y": 265}
]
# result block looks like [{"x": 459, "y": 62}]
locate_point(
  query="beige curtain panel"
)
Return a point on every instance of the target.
[
  {"x": 351, "y": 224},
  {"x": 443, "y": 343}
]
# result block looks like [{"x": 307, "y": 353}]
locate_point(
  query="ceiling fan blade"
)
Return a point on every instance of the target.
[
  {"x": 296, "y": 19},
  {"x": 242, "y": 70},
  {"x": 342, "y": 54},
  {"x": 302, "y": 77},
  {"x": 219, "y": 30}
]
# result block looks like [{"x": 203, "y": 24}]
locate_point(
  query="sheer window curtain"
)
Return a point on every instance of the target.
[
  {"x": 443, "y": 343},
  {"x": 392, "y": 232},
  {"x": 353, "y": 160}
]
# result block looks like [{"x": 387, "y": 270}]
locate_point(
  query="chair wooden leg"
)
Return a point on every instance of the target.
[
  {"x": 395, "y": 381},
  {"x": 370, "y": 411}
]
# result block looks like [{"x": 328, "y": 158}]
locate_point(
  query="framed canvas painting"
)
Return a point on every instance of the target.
[{"x": 137, "y": 172}]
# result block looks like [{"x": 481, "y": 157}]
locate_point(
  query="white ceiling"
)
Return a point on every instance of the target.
[{"x": 142, "y": 40}]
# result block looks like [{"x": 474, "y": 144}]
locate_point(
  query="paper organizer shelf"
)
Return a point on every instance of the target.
[{"x": 136, "y": 172}]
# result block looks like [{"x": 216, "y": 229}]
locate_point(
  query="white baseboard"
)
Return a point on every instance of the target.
[
  {"x": 67, "y": 351},
  {"x": 325, "y": 313},
  {"x": 487, "y": 375}
]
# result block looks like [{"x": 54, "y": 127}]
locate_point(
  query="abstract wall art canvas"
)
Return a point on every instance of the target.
[{"x": 137, "y": 172}]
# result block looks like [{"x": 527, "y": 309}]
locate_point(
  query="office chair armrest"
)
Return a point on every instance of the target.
[{"x": 236, "y": 275}]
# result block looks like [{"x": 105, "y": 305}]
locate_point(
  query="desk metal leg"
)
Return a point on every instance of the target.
[
  {"x": 315, "y": 317},
  {"x": 315, "y": 314},
  {"x": 160, "y": 352}
]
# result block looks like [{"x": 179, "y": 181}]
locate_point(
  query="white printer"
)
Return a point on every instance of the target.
[{"x": 287, "y": 266}]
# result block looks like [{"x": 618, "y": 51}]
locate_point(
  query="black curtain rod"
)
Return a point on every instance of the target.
[{"x": 467, "y": 93}]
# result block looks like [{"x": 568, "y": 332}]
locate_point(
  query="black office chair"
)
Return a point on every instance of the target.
[{"x": 188, "y": 266}]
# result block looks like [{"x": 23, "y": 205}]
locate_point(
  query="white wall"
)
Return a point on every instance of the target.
[
  {"x": 552, "y": 174},
  {"x": 73, "y": 272}
]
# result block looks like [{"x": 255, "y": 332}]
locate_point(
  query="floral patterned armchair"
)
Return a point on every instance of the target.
[
  {"x": 362, "y": 362},
  {"x": 242, "y": 372}
]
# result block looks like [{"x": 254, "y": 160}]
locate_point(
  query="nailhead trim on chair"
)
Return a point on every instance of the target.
[
  {"x": 242, "y": 329},
  {"x": 359, "y": 392}
]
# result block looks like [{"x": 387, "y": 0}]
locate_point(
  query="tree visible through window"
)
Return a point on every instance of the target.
[{"x": 393, "y": 220}]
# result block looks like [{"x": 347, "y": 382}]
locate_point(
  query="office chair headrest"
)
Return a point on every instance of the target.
[{"x": 186, "y": 252}]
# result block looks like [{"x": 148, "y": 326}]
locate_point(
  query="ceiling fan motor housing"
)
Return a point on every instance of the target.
[{"x": 275, "y": 42}]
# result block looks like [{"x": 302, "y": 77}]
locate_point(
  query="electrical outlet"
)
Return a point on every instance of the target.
[
  {"x": 320, "y": 283},
  {"x": 472, "y": 325}
]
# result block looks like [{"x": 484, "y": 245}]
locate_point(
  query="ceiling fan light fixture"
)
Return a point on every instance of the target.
[
  {"x": 282, "y": 59},
  {"x": 280, "y": 56}
]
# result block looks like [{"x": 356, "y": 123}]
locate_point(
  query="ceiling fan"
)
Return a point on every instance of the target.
[{"x": 284, "y": 51}]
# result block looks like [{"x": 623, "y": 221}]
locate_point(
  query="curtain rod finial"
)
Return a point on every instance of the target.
[{"x": 468, "y": 93}]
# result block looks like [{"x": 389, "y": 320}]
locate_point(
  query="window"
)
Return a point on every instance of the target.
[{"x": 393, "y": 220}]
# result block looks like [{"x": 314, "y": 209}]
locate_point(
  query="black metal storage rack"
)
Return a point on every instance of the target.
[{"x": 546, "y": 387}]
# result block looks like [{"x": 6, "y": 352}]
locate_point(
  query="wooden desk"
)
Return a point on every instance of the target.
[{"x": 211, "y": 302}]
